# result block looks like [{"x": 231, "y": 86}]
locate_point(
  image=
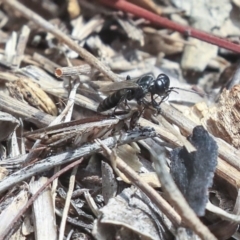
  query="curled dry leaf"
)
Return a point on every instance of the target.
[
  {"x": 133, "y": 210},
  {"x": 222, "y": 120},
  {"x": 25, "y": 89}
]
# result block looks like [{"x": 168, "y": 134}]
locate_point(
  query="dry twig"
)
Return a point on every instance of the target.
[
  {"x": 73, "y": 71},
  {"x": 69, "y": 156}
]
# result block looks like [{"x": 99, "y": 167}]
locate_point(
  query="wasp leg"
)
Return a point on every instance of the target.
[
  {"x": 134, "y": 119},
  {"x": 124, "y": 97},
  {"x": 145, "y": 104},
  {"x": 165, "y": 97},
  {"x": 155, "y": 105},
  {"x": 125, "y": 102},
  {"x": 143, "y": 101}
]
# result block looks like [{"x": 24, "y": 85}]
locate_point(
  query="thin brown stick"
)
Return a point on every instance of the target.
[
  {"x": 89, "y": 58},
  {"x": 34, "y": 197}
]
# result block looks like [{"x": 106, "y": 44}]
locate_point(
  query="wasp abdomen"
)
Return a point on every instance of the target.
[{"x": 113, "y": 100}]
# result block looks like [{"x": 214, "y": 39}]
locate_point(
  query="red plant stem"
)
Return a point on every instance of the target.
[{"x": 164, "y": 22}]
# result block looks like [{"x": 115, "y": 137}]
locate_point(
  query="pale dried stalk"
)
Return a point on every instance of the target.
[
  {"x": 70, "y": 234},
  {"x": 89, "y": 58},
  {"x": 84, "y": 69},
  {"x": 72, "y": 97},
  {"x": 10, "y": 50},
  {"x": 67, "y": 203},
  {"x": 70, "y": 103},
  {"x": 92, "y": 205},
  {"x": 223, "y": 214},
  {"x": 21, "y": 45},
  {"x": 14, "y": 149},
  {"x": 44, "y": 217}
]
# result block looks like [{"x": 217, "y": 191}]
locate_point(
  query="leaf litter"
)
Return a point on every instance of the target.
[{"x": 53, "y": 55}]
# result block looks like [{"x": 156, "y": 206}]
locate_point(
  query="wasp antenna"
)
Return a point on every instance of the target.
[
  {"x": 187, "y": 90},
  {"x": 172, "y": 89}
]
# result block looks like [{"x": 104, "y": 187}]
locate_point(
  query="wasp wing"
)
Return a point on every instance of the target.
[{"x": 114, "y": 86}]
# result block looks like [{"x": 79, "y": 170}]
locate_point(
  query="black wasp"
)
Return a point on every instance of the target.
[{"x": 137, "y": 90}]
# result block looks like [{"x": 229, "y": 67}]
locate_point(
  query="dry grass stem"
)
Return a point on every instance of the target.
[
  {"x": 67, "y": 202},
  {"x": 89, "y": 58}
]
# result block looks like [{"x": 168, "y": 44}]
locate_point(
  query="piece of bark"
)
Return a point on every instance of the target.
[{"x": 222, "y": 120}]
